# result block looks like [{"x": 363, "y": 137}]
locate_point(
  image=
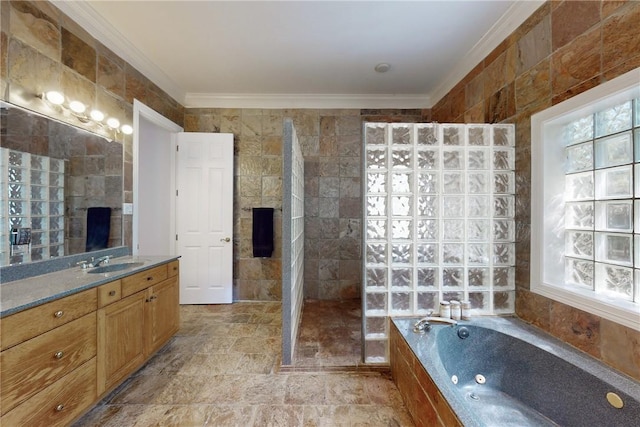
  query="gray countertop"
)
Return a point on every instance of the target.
[{"x": 30, "y": 292}]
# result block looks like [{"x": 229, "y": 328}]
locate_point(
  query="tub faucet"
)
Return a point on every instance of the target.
[{"x": 424, "y": 324}]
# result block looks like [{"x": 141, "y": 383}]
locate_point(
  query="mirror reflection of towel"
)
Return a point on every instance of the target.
[
  {"x": 98, "y": 228},
  {"x": 262, "y": 232}
]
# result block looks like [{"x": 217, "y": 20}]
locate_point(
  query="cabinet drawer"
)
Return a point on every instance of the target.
[
  {"x": 41, "y": 361},
  {"x": 144, "y": 279},
  {"x": 29, "y": 323},
  {"x": 174, "y": 268},
  {"x": 60, "y": 403},
  {"x": 109, "y": 293}
]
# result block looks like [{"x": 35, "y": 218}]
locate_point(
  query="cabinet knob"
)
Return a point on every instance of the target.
[
  {"x": 58, "y": 355},
  {"x": 60, "y": 407},
  {"x": 58, "y": 314},
  {"x": 150, "y": 278},
  {"x": 112, "y": 293}
]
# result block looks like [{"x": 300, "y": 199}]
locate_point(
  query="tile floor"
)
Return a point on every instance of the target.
[{"x": 223, "y": 369}]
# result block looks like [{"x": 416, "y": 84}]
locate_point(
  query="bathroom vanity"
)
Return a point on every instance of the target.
[{"x": 68, "y": 338}]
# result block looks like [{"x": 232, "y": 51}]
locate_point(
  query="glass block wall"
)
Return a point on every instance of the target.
[
  {"x": 439, "y": 222},
  {"x": 35, "y": 189},
  {"x": 293, "y": 240}
]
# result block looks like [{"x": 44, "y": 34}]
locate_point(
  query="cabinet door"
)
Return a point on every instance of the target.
[
  {"x": 120, "y": 340},
  {"x": 163, "y": 316}
]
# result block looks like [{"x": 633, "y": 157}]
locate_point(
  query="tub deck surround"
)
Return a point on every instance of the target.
[
  {"x": 528, "y": 377},
  {"x": 25, "y": 293}
]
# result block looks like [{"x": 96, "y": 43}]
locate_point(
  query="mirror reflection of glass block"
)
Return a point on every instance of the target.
[
  {"x": 56, "y": 223},
  {"x": 18, "y": 221},
  {"x": 401, "y": 229},
  {"x": 401, "y": 253},
  {"x": 504, "y": 183},
  {"x": 17, "y": 158},
  {"x": 479, "y": 302},
  {"x": 579, "y": 215},
  {"x": 56, "y": 179},
  {"x": 579, "y": 186},
  {"x": 504, "y": 302},
  {"x": 376, "y": 183},
  {"x": 478, "y": 230},
  {"x": 376, "y": 253},
  {"x": 16, "y": 175},
  {"x": 376, "y": 206},
  {"x": 37, "y": 238},
  {"x": 427, "y": 229},
  {"x": 504, "y": 159},
  {"x": 427, "y": 134},
  {"x": 56, "y": 237},
  {"x": 37, "y": 223},
  {"x": 636, "y": 222},
  {"x": 401, "y": 205},
  {"x": 478, "y": 159},
  {"x": 376, "y": 159},
  {"x": 374, "y": 133},
  {"x": 504, "y": 254},
  {"x": 56, "y": 194},
  {"x": 401, "y": 159},
  {"x": 503, "y": 206},
  {"x": 504, "y": 135},
  {"x": 452, "y": 277},
  {"x": 39, "y": 163},
  {"x": 376, "y": 302},
  {"x": 453, "y": 229},
  {"x": 578, "y": 131},
  {"x": 401, "y": 182},
  {"x": 579, "y": 244},
  {"x": 37, "y": 254},
  {"x": 615, "y": 281},
  {"x": 452, "y": 253},
  {"x": 401, "y": 134},
  {"x": 478, "y": 254},
  {"x": 17, "y": 208},
  {"x": 427, "y": 301},
  {"x": 504, "y": 230},
  {"x": 614, "y": 183},
  {"x": 614, "y": 248},
  {"x": 636, "y": 256},
  {"x": 579, "y": 157},
  {"x": 38, "y": 192},
  {"x": 428, "y": 206},
  {"x": 376, "y": 278},
  {"x": 38, "y": 177},
  {"x": 478, "y": 277},
  {"x": 452, "y": 159},
  {"x": 453, "y": 182},
  {"x": 614, "y": 119},
  {"x": 376, "y": 229},
  {"x": 56, "y": 208},
  {"x": 428, "y": 253},
  {"x": 56, "y": 251},
  {"x": 579, "y": 272},
  {"x": 478, "y": 182},
  {"x": 615, "y": 150},
  {"x": 375, "y": 351},
  {"x": 478, "y": 206},
  {"x": 478, "y": 134},
  {"x": 428, "y": 277},
  {"x": 401, "y": 277},
  {"x": 453, "y": 134},
  {"x": 453, "y": 206},
  {"x": 428, "y": 159},
  {"x": 504, "y": 277},
  {"x": 428, "y": 183},
  {"x": 17, "y": 191},
  {"x": 637, "y": 108},
  {"x": 615, "y": 216},
  {"x": 636, "y": 137},
  {"x": 56, "y": 165},
  {"x": 401, "y": 302},
  {"x": 38, "y": 208},
  {"x": 375, "y": 327}
]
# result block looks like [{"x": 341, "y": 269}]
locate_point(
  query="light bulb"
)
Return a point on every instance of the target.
[
  {"x": 54, "y": 97},
  {"x": 77, "y": 107},
  {"x": 97, "y": 116},
  {"x": 126, "y": 129},
  {"x": 112, "y": 122}
]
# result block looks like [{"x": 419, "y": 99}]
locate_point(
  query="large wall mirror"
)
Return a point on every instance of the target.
[{"x": 62, "y": 188}]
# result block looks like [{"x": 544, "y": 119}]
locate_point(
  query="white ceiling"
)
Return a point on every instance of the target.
[{"x": 265, "y": 54}]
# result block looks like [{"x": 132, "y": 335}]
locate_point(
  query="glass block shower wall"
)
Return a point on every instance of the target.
[
  {"x": 439, "y": 222},
  {"x": 293, "y": 240}
]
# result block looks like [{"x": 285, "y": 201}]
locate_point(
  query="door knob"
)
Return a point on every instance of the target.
[{"x": 226, "y": 239}]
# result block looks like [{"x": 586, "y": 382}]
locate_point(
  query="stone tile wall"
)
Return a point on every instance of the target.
[
  {"x": 42, "y": 49},
  {"x": 331, "y": 142},
  {"x": 563, "y": 49}
]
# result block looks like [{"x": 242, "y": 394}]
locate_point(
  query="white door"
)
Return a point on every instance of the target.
[{"x": 204, "y": 206}]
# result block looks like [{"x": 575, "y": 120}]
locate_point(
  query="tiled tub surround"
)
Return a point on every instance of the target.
[
  {"x": 529, "y": 377},
  {"x": 29, "y": 292}
]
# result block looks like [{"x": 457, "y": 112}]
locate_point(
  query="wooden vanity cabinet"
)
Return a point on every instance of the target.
[{"x": 162, "y": 315}]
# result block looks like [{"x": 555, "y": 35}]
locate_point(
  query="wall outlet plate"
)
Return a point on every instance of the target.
[{"x": 127, "y": 208}]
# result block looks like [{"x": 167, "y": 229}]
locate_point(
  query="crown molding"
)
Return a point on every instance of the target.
[
  {"x": 92, "y": 22},
  {"x": 299, "y": 100},
  {"x": 519, "y": 11}
]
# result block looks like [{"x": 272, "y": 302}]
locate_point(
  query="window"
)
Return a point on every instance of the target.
[{"x": 585, "y": 237}]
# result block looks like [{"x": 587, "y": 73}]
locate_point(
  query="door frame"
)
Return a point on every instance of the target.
[{"x": 140, "y": 110}]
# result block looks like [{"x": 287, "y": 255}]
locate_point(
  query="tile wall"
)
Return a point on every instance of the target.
[{"x": 563, "y": 49}]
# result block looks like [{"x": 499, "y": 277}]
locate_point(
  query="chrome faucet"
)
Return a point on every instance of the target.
[
  {"x": 424, "y": 324},
  {"x": 104, "y": 259}
]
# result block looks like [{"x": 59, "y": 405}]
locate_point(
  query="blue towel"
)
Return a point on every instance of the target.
[{"x": 98, "y": 228}]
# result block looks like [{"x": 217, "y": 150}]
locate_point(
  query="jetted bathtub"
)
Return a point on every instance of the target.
[{"x": 495, "y": 371}]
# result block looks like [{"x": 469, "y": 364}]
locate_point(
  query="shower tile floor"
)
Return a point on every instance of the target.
[{"x": 223, "y": 369}]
